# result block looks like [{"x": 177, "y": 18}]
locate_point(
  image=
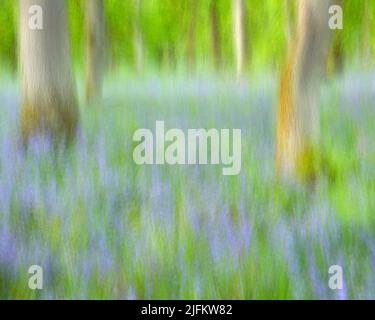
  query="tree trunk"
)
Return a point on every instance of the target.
[
  {"x": 366, "y": 51},
  {"x": 238, "y": 35},
  {"x": 288, "y": 24},
  {"x": 338, "y": 54},
  {"x": 336, "y": 60},
  {"x": 48, "y": 95},
  {"x": 95, "y": 44},
  {"x": 190, "y": 43},
  {"x": 215, "y": 34},
  {"x": 298, "y": 115},
  {"x": 138, "y": 39}
]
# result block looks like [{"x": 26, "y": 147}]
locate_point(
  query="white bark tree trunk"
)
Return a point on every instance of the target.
[
  {"x": 95, "y": 48},
  {"x": 48, "y": 93},
  {"x": 238, "y": 32}
]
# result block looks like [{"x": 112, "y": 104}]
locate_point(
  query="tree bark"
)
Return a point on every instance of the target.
[
  {"x": 298, "y": 115},
  {"x": 366, "y": 51},
  {"x": 48, "y": 94},
  {"x": 190, "y": 43},
  {"x": 288, "y": 24},
  {"x": 338, "y": 54},
  {"x": 215, "y": 34},
  {"x": 95, "y": 52},
  {"x": 239, "y": 35},
  {"x": 138, "y": 38}
]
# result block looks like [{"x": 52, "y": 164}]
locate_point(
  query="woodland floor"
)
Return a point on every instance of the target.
[{"x": 103, "y": 227}]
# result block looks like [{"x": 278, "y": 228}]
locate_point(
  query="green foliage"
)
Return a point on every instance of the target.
[
  {"x": 164, "y": 26},
  {"x": 8, "y": 40}
]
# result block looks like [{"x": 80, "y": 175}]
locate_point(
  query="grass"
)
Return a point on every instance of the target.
[{"x": 102, "y": 227}]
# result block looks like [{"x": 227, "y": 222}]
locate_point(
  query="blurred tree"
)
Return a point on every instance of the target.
[
  {"x": 48, "y": 94},
  {"x": 366, "y": 47},
  {"x": 335, "y": 62},
  {"x": 191, "y": 38},
  {"x": 336, "y": 57},
  {"x": 297, "y": 114},
  {"x": 138, "y": 38},
  {"x": 95, "y": 48},
  {"x": 215, "y": 34},
  {"x": 288, "y": 6},
  {"x": 239, "y": 34}
]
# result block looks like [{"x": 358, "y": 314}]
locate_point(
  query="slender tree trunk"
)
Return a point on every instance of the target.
[
  {"x": 366, "y": 51},
  {"x": 298, "y": 116},
  {"x": 338, "y": 54},
  {"x": 48, "y": 94},
  {"x": 138, "y": 38},
  {"x": 190, "y": 43},
  {"x": 288, "y": 26},
  {"x": 95, "y": 52},
  {"x": 336, "y": 59},
  {"x": 168, "y": 57},
  {"x": 239, "y": 35},
  {"x": 215, "y": 34}
]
